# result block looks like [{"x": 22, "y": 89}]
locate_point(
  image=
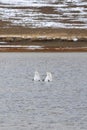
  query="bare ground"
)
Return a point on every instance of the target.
[{"x": 57, "y": 40}]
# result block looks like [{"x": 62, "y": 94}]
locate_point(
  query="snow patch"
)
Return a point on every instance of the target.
[
  {"x": 20, "y": 46},
  {"x": 65, "y": 10}
]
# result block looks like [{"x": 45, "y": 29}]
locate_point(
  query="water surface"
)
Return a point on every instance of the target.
[{"x": 57, "y": 105}]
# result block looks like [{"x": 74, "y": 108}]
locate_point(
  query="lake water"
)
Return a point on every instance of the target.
[{"x": 57, "y": 105}]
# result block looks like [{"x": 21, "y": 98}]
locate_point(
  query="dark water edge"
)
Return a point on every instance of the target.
[
  {"x": 42, "y": 49},
  {"x": 43, "y": 45}
]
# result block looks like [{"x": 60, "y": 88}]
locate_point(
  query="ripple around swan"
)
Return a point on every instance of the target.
[{"x": 60, "y": 104}]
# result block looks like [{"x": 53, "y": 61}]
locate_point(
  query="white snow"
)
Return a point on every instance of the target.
[
  {"x": 70, "y": 10},
  {"x": 3, "y": 42},
  {"x": 20, "y": 46}
]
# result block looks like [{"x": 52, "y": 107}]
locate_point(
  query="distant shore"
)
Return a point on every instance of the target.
[
  {"x": 44, "y": 33},
  {"x": 52, "y": 40}
]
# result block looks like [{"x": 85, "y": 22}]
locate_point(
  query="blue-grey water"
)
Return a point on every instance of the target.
[{"x": 57, "y": 105}]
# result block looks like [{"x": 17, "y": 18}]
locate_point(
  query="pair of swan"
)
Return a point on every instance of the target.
[{"x": 48, "y": 77}]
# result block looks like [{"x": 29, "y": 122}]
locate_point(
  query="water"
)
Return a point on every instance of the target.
[
  {"x": 57, "y": 105},
  {"x": 44, "y": 13}
]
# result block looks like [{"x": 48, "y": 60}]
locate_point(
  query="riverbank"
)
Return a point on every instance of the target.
[
  {"x": 16, "y": 32},
  {"x": 23, "y": 49},
  {"x": 21, "y": 39}
]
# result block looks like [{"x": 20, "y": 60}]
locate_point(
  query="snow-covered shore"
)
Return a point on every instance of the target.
[{"x": 43, "y": 14}]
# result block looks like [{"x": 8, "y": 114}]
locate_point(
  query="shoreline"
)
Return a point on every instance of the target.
[
  {"x": 42, "y": 33},
  {"x": 52, "y": 40},
  {"x": 22, "y": 49}
]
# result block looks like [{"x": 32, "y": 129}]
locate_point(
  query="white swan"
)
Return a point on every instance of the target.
[
  {"x": 36, "y": 76},
  {"x": 75, "y": 39},
  {"x": 48, "y": 77}
]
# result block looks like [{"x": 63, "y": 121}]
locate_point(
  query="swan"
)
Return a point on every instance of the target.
[
  {"x": 48, "y": 77},
  {"x": 75, "y": 39},
  {"x": 36, "y": 76}
]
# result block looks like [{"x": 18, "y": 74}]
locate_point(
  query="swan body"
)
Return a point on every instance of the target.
[
  {"x": 36, "y": 76},
  {"x": 75, "y": 39},
  {"x": 48, "y": 77}
]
